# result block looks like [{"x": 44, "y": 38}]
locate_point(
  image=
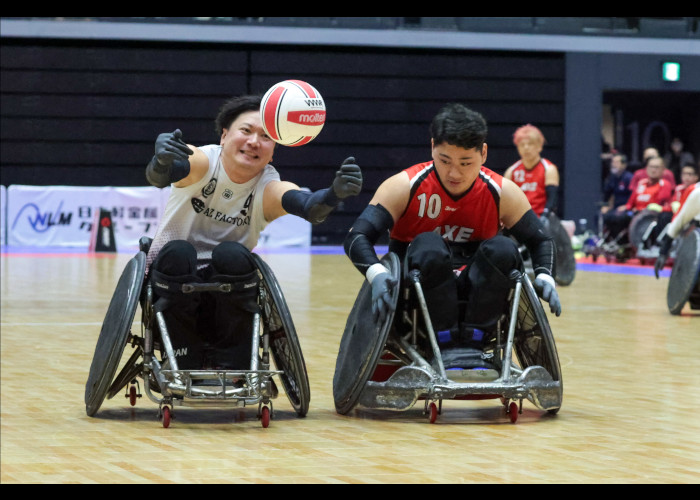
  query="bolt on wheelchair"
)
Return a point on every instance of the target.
[
  {"x": 274, "y": 341},
  {"x": 393, "y": 365}
]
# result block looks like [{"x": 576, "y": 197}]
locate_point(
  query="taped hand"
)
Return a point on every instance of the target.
[
  {"x": 382, "y": 303},
  {"x": 544, "y": 286},
  {"x": 171, "y": 147},
  {"x": 348, "y": 179}
]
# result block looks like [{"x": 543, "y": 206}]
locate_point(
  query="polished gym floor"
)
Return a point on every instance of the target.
[{"x": 629, "y": 414}]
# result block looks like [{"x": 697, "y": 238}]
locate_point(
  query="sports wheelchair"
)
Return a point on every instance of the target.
[
  {"x": 153, "y": 360},
  {"x": 393, "y": 365},
  {"x": 684, "y": 283},
  {"x": 635, "y": 241}
]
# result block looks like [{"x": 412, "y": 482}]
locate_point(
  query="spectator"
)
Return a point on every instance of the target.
[
  {"x": 676, "y": 158},
  {"x": 616, "y": 190}
]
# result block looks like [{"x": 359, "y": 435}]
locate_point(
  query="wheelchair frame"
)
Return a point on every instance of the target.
[
  {"x": 524, "y": 333},
  {"x": 273, "y": 336}
]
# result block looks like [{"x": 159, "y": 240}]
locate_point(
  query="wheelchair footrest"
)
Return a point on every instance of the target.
[
  {"x": 410, "y": 383},
  {"x": 247, "y": 386}
]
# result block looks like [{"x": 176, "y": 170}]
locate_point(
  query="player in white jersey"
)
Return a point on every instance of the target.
[{"x": 222, "y": 197}]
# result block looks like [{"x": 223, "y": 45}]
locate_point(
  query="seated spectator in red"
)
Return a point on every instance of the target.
[{"x": 642, "y": 172}]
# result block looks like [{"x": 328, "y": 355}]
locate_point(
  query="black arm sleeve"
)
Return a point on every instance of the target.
[
  {"x": 372, "y": 223},
  {"x": 530, "y": 231},
  {"x": 313, "y": 207},
  {"x": 160, "y": 176},
  {"x": 552, "y": 198}
]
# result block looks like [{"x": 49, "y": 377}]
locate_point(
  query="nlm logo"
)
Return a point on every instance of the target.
[{"x": 314, "y": 103}]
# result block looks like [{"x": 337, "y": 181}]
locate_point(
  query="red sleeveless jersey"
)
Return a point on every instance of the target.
[
  {"x": 470, "y": 217},
  {"x": 532, "y": 182}
]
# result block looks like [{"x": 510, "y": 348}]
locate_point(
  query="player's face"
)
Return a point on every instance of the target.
[
  {"x": 529, "y": 148},
  {"x": 457, "y": 167},
  {"x": 246, "y": 145}
]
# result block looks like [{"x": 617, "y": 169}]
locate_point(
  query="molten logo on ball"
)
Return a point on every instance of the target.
[
  {"x": 293, "y": 113},
  {"x": 307, "y": 118}
]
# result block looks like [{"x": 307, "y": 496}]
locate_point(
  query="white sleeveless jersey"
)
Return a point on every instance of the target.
[{"x": 213, "y": 210}]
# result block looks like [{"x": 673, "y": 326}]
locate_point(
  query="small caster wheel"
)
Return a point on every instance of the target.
[
  {"x": 513, "y": 412},
  {"x": 432, "y": 413},
  {"x": 167, "y": 415},
  {"x": 132, "y": 395},
  {"x": 265, "y": 417}
]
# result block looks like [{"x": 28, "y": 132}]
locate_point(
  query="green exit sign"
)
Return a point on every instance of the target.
[{"x": 671, "y": 71}]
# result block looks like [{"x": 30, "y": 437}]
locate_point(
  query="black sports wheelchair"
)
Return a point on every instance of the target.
[
  {"x": 684, "y": 282},
  {"x": 274, "y": 342},
  {"x": 391, "y": 366}
]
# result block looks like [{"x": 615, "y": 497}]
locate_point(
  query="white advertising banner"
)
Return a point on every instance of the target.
[
  {"x": 287, "y": 231},
  {"x": 62, "y": 216},
  {"x": 3, "y": 213}
]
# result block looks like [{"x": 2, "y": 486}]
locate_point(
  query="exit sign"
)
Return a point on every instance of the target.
[{"x": 671, "y": 71}]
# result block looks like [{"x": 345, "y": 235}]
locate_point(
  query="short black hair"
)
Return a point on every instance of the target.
[
  {"x": 233, "y": 108},
  {"x": 460, "y": 126}
]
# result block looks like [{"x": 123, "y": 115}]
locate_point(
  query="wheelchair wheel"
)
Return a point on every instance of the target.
[
  {"x": 639, "y": 225},
  {"x": 284, "y": 343},
  {"x": 362, "y": 343},
  {"x": 566, "y": 260},
  {"x": 534, "y": 343},
  {"x": 114, "y": 334},
  {"x": 685, "y": 273}
]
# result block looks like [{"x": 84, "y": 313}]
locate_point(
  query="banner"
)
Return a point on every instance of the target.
[
  {"x": 62, "y": 216},
  {"x": 3, "y": 215}
]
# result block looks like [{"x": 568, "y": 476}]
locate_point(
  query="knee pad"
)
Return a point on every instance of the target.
[
  {"x": 176, "y": 258},
  {"x": 429, "y": 254},
  {"x": 230, "y": 258},
  {"x": 499, "y": 253}
]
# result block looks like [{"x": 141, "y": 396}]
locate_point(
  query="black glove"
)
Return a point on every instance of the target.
[
  {"x": 382, "y": 285},
  {"x": 664, "y": 250},
  {"x": 171, "y": 147},
  {"x": 546, "y": 290},
  {"x": 348, "y": 179}
]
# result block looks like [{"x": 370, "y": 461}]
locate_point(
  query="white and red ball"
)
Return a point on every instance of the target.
[{"x": 293, "y": 113}]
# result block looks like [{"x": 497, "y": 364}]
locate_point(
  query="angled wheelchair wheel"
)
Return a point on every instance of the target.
[
  {"x": 639, "y": 226},
  {"x": 114, "y": 333},
  {"x": 534, "y": 342},
  {"x": 284, "y": 342},
  {"x": 362, "y": 343},
  {"x": 566, "y": 260},
  {"x": 683, "y": 283}
]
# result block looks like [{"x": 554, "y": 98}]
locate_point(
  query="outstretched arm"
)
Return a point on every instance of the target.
[{"x": 286, "y": 198}]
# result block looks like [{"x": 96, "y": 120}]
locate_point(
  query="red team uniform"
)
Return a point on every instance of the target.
[
  {"x": 532, "y": 182},
  {"x": 659, "y": 192},
  {"x": 471, "y": 217}
]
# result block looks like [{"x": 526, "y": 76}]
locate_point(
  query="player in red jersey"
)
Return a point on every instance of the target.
[
  {"x": 447, "y": 213},
  {"x": 651, "y": 192},
  {"x": 536, "y": 176}
]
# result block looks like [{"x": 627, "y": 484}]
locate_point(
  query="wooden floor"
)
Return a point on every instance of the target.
[{"x": 630, "y": 414}]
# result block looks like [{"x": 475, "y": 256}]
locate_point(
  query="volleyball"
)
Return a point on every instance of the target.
[{"x": 293, "y": 113}]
